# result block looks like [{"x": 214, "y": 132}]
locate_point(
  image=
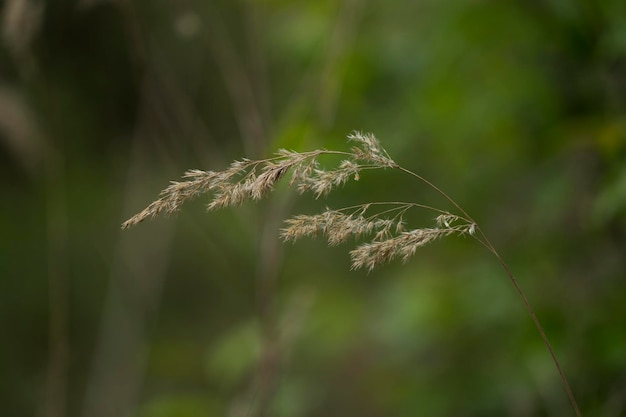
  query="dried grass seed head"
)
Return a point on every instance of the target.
[
  {"x": 368, "y": 149},
  {"x": 372, "y": 254},
  {"x": 229, "y": 191},
  {"x": 170, "y": 199}
]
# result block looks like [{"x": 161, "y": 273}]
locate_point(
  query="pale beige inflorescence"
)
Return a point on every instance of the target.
[
  {"x": 390, "y": 239},
  {"x": 252, "y": 179}
]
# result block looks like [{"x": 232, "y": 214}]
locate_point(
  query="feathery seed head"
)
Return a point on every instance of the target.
[{"x": 369, "y": 149}]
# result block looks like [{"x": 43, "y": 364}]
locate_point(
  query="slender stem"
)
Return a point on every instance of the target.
[
  {"x": 440, "y": 191},
  {"x": 532, "y": 314},
  {"x": 482, "y": 238},
  {"x": 397, "y": 203}
]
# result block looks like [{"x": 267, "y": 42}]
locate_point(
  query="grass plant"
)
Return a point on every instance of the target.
[{"x": 380, "y": 224}]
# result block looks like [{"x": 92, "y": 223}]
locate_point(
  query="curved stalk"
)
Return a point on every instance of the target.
[{"x": 482, "y": 238}]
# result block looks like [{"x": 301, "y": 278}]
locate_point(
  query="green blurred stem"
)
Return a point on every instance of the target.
[
  {"x": 55, "y": 402},
  {"x": 482, "y": 238}
]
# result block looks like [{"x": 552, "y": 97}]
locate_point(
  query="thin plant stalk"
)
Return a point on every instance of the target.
[{"x": 482, "y": 238}]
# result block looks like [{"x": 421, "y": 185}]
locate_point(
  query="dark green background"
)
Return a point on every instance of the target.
[{"x": 515, "y": 108}]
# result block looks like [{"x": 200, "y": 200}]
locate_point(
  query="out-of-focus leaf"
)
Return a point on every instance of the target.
[
  {"x": 611, "y": 201},
  {"x": 234, "y": 354}
]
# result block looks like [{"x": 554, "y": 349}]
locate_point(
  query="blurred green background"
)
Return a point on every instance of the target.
[{"x": 515, "y": 108}]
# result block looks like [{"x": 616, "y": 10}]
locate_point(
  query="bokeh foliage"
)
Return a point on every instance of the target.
[{"x": 515, "y": 108}]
